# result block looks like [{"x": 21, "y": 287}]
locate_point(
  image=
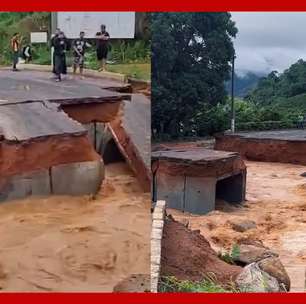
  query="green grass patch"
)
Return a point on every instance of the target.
[
  {"x": 171, "y": 284},
  {"x": 135, "y": 70},
  {"x": 230, "y": 257}
]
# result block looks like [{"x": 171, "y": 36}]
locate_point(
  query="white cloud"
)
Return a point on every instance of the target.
[{"x": 269, "y": 41}]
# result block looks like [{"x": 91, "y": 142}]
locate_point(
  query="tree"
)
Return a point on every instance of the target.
[{"x": 191, "y": 54}]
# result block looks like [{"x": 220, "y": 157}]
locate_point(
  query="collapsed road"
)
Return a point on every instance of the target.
[
  {"x": 49, "y": 113},
  {"x": 97, "y": 234}
]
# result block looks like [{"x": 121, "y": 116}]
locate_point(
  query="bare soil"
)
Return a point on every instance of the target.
[
  {"x": 187, "y": 255},
  {"x": 43, "y": 153}
]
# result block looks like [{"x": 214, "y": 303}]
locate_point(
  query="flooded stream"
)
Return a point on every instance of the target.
[{"x": 63, "y": 243}]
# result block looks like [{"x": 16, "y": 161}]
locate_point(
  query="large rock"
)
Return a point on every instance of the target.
[
  {"x": 252, "y": 253},
  {"x": 275, "y": 268},
  {"x": 242, "y": 225},
  {"x": 254, "y": 279},
  {"x": 134, "y": 283}
]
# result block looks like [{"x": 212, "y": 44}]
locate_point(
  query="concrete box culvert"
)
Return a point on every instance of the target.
[
  {"x": 77, "y": 178},
  {"x": 191, "y": 179},
  {"x": 21, "y": 186}
]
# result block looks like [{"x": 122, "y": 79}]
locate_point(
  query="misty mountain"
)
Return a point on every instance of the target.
[{"x": 243, "y": 84}]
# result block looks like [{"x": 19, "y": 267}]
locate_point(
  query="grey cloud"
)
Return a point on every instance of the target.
[{"x": 269, "y": 41}]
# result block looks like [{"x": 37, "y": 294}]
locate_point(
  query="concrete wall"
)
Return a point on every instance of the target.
[
  {"x": 198, "y": 194},
  {"x": 69, "y": 179},
  {"x": 190, "y": 194},
  {"x": 158, "y": 219}
]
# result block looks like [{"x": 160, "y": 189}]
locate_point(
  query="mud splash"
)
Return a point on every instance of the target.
[
  {"x": 63, "y": 243},
  {"x": 276, "y": 201}
]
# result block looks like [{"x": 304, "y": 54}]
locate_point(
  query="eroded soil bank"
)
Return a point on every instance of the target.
[
  {"x": 276, "y": 201},
  {"x": 64, "y": 243}
]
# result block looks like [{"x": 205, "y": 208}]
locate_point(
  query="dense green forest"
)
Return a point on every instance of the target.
[
  {"x": 191, "y": 54},
  {"x": 136, "y": 52}
]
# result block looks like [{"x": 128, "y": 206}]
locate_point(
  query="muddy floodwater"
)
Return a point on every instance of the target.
[
  {"x": 276, "y": 201},
  {"x": 63, "y": 243}
]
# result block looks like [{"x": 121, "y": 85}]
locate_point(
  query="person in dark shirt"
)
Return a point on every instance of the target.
[
  {"x": 57, "y": 32},
  {"x": 15, "y": 46},
  {"x": 102, "y": 46},
  {"x": 79, "y": 47},
  {"x": 60, "y": 47}
]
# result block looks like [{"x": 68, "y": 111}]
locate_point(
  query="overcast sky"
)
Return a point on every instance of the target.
[{"x": 269, "y": 41}]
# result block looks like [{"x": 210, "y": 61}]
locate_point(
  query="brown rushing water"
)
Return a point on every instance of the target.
[
  {"x": 63, "y": 243},
  {"x": 276, "y": 201}
]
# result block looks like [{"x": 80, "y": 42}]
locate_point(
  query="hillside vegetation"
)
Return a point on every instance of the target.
[{"x": 131, "y": 57}]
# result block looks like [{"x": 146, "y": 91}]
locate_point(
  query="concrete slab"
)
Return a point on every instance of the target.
[
  {"x": 137, "y": 123},
  {"x": 133, "y": 136},
  {"x": 25, "y": 86},
  {"x": 194, "y": 155},
  {"x": 290, "y": 135},
  {"x": 21, "y": 186},
  {"x": 77, "y": 178},
  {"x": 20, "y": 122}
]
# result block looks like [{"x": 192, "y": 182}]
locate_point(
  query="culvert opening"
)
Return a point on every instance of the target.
[
  {"x": 231, "y": 189},
  {"x": 111, "y": 153}
]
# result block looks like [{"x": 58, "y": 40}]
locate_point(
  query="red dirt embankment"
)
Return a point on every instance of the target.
[
  {"x": 187, "y": 255},
  {"x": 91, "y": 112},
  {"x": 43, "y": 153},
  {"x": 267, "y": 150}
]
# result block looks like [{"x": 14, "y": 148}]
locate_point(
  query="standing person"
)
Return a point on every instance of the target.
[
  {"x": 60, "y": 47},
  {"x": 67, "y": 48},
  {"x": 102, "y": 47},
  {"x": 27, "y": 53},
  {"x": 15, "y": 45},
  {"x": 79, "y": 48},
  {"x": 56, "y": 34}
]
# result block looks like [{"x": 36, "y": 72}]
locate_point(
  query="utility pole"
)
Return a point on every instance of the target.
[
  {"x": 232, "y": 97},
  {"x": 53, "y": 28}
]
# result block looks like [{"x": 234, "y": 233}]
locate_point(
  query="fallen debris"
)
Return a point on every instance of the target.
[{"x": 187, "y": 255}]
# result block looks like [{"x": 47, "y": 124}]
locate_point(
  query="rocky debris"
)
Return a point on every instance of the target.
[
  {"x": 262, "y": 268},
  {"x": 134, "y": 283},
  {"x": 253, "y": 253},
  {"x": 187, "y": 255},
  {"x": 242, "y": 225},
  {"x": 275, "y": 268},
  {"x": 254, "y": 279}
]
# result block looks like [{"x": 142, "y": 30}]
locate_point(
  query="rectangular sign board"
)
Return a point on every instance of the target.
[
  {"x": 39, "y": 37},
  {"x": 120, "y": 25}
]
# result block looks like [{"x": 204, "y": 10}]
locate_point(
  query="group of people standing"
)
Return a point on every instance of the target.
[
  {"x": 61, "y": 44},
  {"x": 79, "y": 46}
]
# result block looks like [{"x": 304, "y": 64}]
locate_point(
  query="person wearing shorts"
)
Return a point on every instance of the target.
[
  {"x": 102, "y": 47},
  {"x": 79, "y": 47}
]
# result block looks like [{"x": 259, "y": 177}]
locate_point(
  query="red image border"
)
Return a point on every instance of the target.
[{"x": 148, "y": 6}]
